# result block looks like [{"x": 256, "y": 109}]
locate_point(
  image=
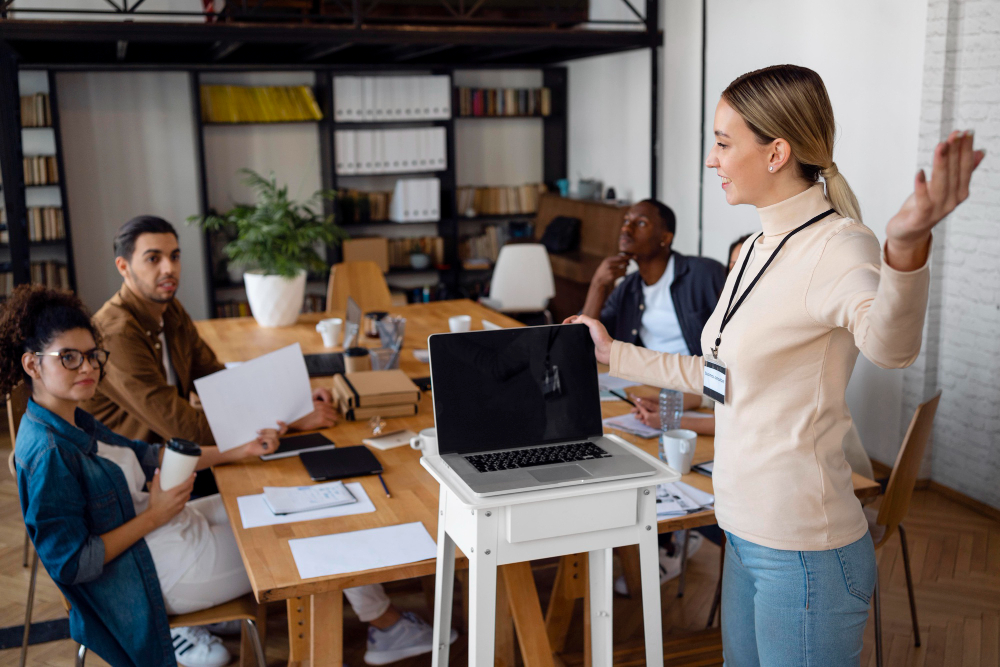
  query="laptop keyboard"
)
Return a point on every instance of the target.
[{"x": 536, "y": 456}]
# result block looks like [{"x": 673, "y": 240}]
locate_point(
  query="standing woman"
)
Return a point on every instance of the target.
[{"x": 810, "y": 291}]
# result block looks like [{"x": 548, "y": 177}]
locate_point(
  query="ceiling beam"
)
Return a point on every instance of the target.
[
  {"x": 420, "y": 53},
  {"x": 222, "y": 50},
  {"x": 313, "y": 52}
]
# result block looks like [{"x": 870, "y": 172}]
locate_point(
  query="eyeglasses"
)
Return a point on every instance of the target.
[{"x": 73, "y": 359}]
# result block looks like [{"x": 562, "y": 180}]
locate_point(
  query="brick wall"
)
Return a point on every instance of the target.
[{"x": 961, "y": 352}]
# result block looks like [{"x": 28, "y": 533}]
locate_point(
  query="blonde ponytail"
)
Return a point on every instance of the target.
[
  {"x": 791, "y": 103},
  {"x": 840, "y": 194}
]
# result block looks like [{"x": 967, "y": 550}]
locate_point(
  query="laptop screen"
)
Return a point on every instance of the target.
[{"x": 514, "y": 388}]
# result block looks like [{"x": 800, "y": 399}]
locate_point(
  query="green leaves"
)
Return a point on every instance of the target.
[{"x": 276, "y": 235}]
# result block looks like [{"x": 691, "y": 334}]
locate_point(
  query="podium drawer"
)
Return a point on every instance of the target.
[{"x": 572, "y": 515}]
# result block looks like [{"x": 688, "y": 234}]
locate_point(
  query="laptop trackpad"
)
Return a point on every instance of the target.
[{"x": 559, "y": 473}]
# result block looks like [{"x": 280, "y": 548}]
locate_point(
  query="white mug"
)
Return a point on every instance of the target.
[
  {"x": 460, "y": 323},
  {"x": 427, "y": 439},
  {"x": 677, "y": 447},
  {"x": 180, "y": 457},
  {"x": 329, "y": 329}
]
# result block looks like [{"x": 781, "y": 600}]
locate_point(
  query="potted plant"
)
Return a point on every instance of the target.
[{"x": 275, "y": 240}]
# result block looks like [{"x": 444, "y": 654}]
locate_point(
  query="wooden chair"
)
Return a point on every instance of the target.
[
  {"x": 252, "y": 617},
  {"x": 363, "y": 281},
  {"x": 895, "y": 505},
  {"x": 17, "y": 405}
]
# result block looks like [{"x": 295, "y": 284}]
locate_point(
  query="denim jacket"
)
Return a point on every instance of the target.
[
  {"x": 698, "y": 281},
  {"x": 70, "y": 496}
]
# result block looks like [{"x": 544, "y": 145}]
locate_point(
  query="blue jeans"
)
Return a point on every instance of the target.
[{"x": 795, "y": 608}]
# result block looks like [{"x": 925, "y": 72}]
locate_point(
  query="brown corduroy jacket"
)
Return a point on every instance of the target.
[{"x": 134, "y": 398}]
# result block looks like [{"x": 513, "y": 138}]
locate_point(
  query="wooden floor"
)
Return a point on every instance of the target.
[{"x": 955, "y": 556}]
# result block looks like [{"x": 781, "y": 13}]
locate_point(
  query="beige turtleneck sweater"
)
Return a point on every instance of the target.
[{"x": 780, "y": 476}]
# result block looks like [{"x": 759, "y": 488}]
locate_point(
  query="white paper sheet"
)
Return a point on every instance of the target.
[
  {"x": 606, "y": 382},
  {"x": 254, "y": 395},
  {"x": 326, "y": 555},
  {"x": 678, "y": 498},
  {"x": 255, "y": 513},
  {"x": 631, "y": 424}
]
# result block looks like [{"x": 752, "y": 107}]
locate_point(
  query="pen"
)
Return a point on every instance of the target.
[
  {"x": 615, "y": 393},
  {"x": 387, "y": 495}
]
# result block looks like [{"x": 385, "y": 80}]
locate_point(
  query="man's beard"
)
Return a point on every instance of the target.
[{"x": 150, "y": 294}]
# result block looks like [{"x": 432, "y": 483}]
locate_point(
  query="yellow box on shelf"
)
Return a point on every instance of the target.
[{"x": 258, "y": 104}]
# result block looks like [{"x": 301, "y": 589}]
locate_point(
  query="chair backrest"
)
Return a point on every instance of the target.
[
  {"x": 896, "y": 502},
  {"x": 363, "y": 281},
  {"x": 522, "y": 279},
  {"x": 17, "y": 405}
]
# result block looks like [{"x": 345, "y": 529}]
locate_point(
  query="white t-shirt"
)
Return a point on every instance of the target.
[
  {"x": 177, "y": 544},
  {"x": 660, "y": 329},
  {"x": 167, "y": 366}
]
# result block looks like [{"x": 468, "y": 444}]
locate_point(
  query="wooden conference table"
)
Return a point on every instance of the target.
[{"x": 315, "y": 606}]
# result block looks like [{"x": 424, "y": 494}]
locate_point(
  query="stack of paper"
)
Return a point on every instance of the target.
[
  {"x": 328, "y": 555},
  {"x": 390, "y": 151},
  {"x": 291, "y": 499},
  {"x": 255, "y": 512},
  {"x": 678, "y": 499},
  {"x": 365, "y": 99},
  {"x": 416, "y": 200}
]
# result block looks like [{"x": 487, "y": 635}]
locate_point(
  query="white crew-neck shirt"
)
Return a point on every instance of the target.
[{"x": 660, "y": 329}]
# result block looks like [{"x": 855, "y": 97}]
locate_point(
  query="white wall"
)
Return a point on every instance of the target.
[
  {"x": 870, "y": 55},
  {"x": 128, "y": 141}
]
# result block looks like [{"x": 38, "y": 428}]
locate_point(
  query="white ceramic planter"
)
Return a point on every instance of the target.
[{"x": 275, "y": 301}]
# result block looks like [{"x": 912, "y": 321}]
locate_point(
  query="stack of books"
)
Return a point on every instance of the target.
[
  {"x": 258, "y": 104},
  {"x": 416, "y": 200},
  {"x": 390, "y": 151},
  {"x": 512, "y": 200},
  {"x": 40, "y": 170},
  {"x": 504, "y": 102},
  {"x": 51, "y": 274},
  {"x": 35, "y": 110},
  {"x": 401, "y": 249},
  {"x": 358, "y": 99},
  {"x": 46, "y": 224},
  {"x": 479, "y": 252},
  {"x": 6, "y": 283},
  {"x": 367, "y": 394},
  {"x": 355, "y": 207}
]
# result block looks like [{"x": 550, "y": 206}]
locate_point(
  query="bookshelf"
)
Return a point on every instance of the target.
[{"x": 35, "y": 242}]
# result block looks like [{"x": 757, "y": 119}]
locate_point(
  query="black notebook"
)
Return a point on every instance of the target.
[
  {"x": 322, "y": 365},
  {"x": 339, "y": 463},
  {"x": 297, "y": 444}
]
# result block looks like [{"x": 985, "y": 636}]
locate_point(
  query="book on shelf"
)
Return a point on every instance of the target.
[
  {"x": 366, "y": 99},
  {"x": 51, "y": 274},
  {"x": 258, "y": 104},
  {"x": 473, "y": 250},
  {"x": 416, "y": 200},
  {"x": 40, "y": 170},
  {"x": 510, "y": 200},
  {"x": 504, "y": 102},
  {"x": 390, "y": 151},
  {"x": 36, "y": 110},
  {"x": 6, "y": 283},
  {"x": 46, "y": 224},
  {"x": 401, "y": 249},
  {"x": 355, "y": 207},
  {"x": 232, "y": 309}
]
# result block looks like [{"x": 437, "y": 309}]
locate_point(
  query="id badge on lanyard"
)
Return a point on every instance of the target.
[{"x": 715, "y": 380}]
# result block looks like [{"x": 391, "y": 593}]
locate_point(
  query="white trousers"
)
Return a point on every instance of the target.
[{"x": 219, "y": 575}]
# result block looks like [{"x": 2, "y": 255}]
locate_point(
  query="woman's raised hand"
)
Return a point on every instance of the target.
[
  {"x": 908, "y": 232},
  {"x": 602, "y": 340}
]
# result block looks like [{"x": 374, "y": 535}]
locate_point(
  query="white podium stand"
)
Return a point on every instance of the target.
[{"x": 517, "y": 527}]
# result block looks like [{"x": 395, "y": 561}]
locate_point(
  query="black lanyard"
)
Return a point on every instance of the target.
[{"x": 730, "y": 309}]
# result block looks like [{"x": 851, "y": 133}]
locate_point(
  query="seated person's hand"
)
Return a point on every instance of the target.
[
  {"x": 324, "y": 414},
  {"x": 602, "y": 339},
  {"x": 195, "y": 401},
  {"x": 165, "y": 505},
  {"x": 610, "y": 270},
  {"x": 266, "y": 441},
  {"x": 647, "y": 411}
]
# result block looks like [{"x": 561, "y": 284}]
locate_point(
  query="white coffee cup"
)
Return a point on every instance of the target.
[
  {"x": 180, "y": 457},
  {"x": 329, "y": 329},
  {"x": 427, "y": 439},
  {"x": 678, "y": 448},
  {"x": 460, "y": 323}
]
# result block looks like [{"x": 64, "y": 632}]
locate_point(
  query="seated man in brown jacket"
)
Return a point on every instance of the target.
[
  {"x": 146, "y": 394},
  {"x": 156, "y": 352}
]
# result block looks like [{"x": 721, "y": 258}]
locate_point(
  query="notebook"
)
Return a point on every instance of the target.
[
  {"x": 339, "y": 463},
  {"x": 293, "y": 445}
]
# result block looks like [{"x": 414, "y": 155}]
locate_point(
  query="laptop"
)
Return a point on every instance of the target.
[{"x": 520, "y": 409}]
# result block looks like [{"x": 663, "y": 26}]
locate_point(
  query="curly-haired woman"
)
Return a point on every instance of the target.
[{"x": 123, "y": 556}]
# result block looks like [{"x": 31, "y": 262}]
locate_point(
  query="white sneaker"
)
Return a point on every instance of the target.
[
  {"x": 197, "y": 647},
  {"x": 409, "y": 636},
  {"x": 670, "y": 566}
]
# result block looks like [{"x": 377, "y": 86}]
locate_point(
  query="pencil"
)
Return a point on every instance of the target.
[
  {"x": 615, "y": 393},
  {"x": 387, "y": 495}
]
